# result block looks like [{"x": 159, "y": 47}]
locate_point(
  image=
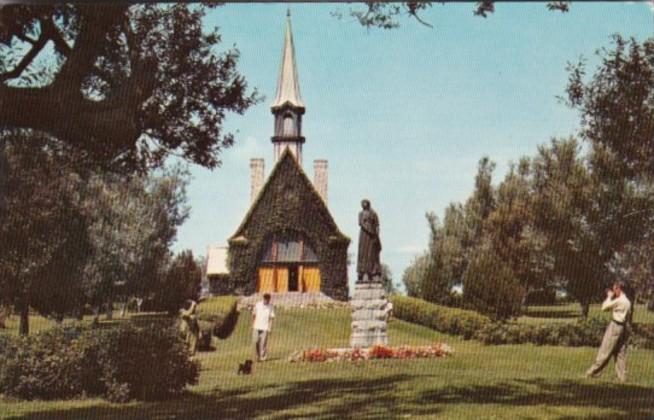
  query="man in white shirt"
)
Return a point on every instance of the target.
[
  {"x": 262, "y": 317},
  {"x": 615, "y": 338}
]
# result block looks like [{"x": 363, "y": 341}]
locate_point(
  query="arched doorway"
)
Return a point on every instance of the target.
[{"x": 288, "y": 264}]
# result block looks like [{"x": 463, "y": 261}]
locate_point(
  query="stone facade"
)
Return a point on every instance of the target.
[
  {"x": 320, "y": 177},
  {"x": 369, "y": 315},
  {"x": 257, "y": 176}
]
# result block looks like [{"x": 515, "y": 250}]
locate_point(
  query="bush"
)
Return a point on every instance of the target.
[
  {"x": 44, "y": 365},
  {"x": 490, "y": 287},
  {"x": 643, "y": 335},
  {"x": 118, "y": 363},
  {"x": 181, "y": 282},
  {"x": 584, "y": 332},
  {"x": 217, "y": 316},
  {"x": 145, "y": 363},
  {"x": 545, "y": 296},
  {"x": 440, "y": 318}
]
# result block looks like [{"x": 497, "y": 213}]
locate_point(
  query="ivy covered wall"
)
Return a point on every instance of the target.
[{"x": 288, "y": 202}]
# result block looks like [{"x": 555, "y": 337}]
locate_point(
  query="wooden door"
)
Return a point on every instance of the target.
[
  {"x": 281, "y": 279},
  {"x": 266, "y": 281},
  {"x": 311, "y": 279}
]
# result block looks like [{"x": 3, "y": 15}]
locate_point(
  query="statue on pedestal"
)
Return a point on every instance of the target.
[{"x": 368, "y": 263}]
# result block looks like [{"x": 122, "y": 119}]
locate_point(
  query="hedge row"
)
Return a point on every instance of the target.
[
  {"x": 440, "y": 318},
  {"x": 586, "y": 332},
  {"x": 583, "y": 332},
  {"x": 217, "y": 316},
  {"x": 470, "y": 324},
  {"x": 118, "y": 363}
]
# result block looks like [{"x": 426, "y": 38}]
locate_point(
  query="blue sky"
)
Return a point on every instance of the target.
[{"x": 403, "y": 116}]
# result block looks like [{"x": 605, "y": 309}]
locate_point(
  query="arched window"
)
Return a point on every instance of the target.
[
  {"x": 288, "y": 249},
  {"x": 288, "y": 127}
]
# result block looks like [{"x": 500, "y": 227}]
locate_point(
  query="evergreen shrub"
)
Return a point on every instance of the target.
[
  {"x": 490, "y": 287},
  {"x": 217, "y": 316},
  {"x": 118, "y": 363},
  {"x": 440, "y": 318}
]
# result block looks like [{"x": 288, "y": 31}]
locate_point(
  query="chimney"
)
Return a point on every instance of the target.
[
  {"x": 320, "y": 177},
  {"x": 256, "y": 177}
]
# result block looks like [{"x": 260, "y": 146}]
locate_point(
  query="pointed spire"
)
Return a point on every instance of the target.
[{"x": 288, "y": 87}]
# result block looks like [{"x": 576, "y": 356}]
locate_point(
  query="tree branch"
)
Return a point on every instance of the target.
[
  {"x": 26, "y": 60},
  {"x": 95, "y": 24},
  {"x": 48, "y": 27}
]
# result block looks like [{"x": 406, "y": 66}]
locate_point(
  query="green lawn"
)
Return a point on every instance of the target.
[{"x": 477, "y": 382}]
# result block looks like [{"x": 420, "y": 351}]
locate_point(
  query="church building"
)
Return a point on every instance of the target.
[{"x": 288, "y": 241}]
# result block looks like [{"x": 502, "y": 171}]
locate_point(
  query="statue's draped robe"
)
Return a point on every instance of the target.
[
  {"x": 190, "y": 327},
  {"x": 369, "y": 245}
]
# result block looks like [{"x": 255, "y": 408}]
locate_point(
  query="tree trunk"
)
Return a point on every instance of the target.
[
  {"x": 585, "y": 308},
  {"x": 110, "y": 310},
  {"x": 79, "y": 314},
  {"x": 96, "y": 315},
  {"x": 523, "y": 303},
  {"x": 123, "y": 311},
  {"x": 4, "y": 313},
  {"x": 24, "y": 326}
]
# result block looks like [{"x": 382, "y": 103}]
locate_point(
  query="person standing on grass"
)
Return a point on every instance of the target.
[
  {"x": 616, "y": 336},
  {"x": 262, "y": 318}
]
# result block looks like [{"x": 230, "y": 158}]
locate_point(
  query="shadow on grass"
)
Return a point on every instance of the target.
[
  {"x": 375, "y": 398},
  {"x": 631, "y": 401},
  {"x": 328, "y": 398}
]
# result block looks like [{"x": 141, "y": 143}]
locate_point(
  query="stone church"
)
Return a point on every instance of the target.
[{"x": 288, "y": 241}]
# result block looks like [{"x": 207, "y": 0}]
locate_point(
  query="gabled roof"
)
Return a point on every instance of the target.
[
  {"x": 285, "y": 161},
  {"x": 288, "y": 87}
]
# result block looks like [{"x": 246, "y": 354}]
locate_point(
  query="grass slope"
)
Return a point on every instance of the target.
[{"x": 479, "y": 381}]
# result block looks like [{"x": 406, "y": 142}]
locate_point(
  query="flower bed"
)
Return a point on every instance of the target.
[{"x": 374, "y": 352}]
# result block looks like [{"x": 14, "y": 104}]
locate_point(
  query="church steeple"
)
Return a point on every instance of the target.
[{"x": 288, "y": 107}]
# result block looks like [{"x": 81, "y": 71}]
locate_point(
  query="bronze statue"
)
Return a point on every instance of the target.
[{"x": 368, "y": 264}]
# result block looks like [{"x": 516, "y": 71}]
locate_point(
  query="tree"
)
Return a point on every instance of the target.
[
  {"x": 180, "y": 283},
  {"x": 129, "y": 71},
  {"x": 482, "y": 202},
  {"x": 490, "y": 287},
  {"x": 133, "y": 224},
  {"x": 444, "y": 259},
  {"x": 636, "y": 263},
  {"x": 616, "y": 106},
  {"x": 44, "y": 242},
  {"x": 387, "y": 279},
  {"x": 511, "y": 232},
  {"x": 143, "y": 80},
  {"x": 450, "y": 244},
  {"x": 385, "y": 15},
  {"x": 563, "y": 192},
  {"x": 415, "y": 273}
]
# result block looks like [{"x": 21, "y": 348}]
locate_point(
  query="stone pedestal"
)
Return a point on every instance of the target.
[{"x": 368, "y": 315}]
